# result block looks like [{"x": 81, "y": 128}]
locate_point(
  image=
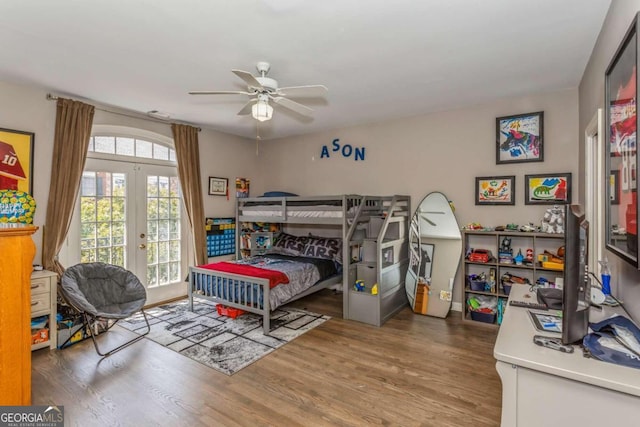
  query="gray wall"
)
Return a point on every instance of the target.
[
  {"x": 625, "y": 280},
  {"x": 438, "y": 152}
]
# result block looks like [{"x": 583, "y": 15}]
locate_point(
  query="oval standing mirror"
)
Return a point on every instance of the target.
[{"x": 435, "y": 245}]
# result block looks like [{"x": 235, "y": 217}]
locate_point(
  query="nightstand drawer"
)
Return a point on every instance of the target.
[
  {"x": 40, "y": 302},
  {"x": 40, "y": 286}
]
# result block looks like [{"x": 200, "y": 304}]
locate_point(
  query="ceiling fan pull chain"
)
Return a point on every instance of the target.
[{"x": 257, "y": 137}]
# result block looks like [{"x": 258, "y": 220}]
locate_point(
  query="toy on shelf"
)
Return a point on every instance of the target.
[
  {"x": 480, "y": 255},
  {"x": 552, "y": 261},
  {"x": 529, "y": 227},
  {"x": 553, "y": 220},
  {"x": 519, "y": 259},
  {"x": 478, "y": 282},
  {"x": 473, "y": 226},
  {"x": 528, "y": 259},
  {"x": 543, "y": 282},
  {"x": 359, "y": 285},
  {"x": 508, "y": 279},
  {"x": 374, "y": 289},
  {"x": 505, "y": 254}
]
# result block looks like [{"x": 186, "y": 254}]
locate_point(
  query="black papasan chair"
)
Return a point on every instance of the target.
[{"x": 102, "y": 292}]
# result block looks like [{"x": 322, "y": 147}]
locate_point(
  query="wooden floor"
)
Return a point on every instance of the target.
[{"x": 414, "y": 371}]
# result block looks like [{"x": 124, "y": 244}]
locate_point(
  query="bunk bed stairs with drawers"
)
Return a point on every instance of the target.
[{"x": 374, "y": 239}]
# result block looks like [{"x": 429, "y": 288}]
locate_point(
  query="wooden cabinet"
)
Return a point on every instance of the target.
[
  {"x": 494, "y": 269},
  {"x": 44, "y": 303},
  {"x": 17, "y": 249}
]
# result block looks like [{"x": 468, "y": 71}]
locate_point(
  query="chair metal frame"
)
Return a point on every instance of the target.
[
  {"x": 90, "y": 325},
  {"x": 90, "y": 321}
]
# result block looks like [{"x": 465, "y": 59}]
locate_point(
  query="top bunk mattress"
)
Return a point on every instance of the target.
[{"x": 317, "y": 211}]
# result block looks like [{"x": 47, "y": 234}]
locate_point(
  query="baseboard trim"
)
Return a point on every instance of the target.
[{"x": 456, "y": 306}]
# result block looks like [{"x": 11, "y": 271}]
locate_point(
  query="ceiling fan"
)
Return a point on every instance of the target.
[{"x": 263, "y": 89}]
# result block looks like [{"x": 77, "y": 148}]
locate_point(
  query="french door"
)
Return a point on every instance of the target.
[{"x": 131, "y": 215}]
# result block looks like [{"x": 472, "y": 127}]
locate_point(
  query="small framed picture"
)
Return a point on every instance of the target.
[
  {"x": 519, "y": 138},
  {"x": 242, "y": 188},
  {"x": 218, "y": 186},
  {"x": 495, "y": 190},
  {"x": 547, "y": 189}
]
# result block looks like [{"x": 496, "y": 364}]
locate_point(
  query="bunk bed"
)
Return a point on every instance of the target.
[{"x": 361, "y": 223}]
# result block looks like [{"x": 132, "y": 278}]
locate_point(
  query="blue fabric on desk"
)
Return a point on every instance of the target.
[{"x": 615, "y": 340}]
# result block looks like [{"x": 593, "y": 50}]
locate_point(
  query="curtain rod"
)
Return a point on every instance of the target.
[{"x": 141, "y": 116}]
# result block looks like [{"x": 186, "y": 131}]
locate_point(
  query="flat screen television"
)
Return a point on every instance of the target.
[{"x": 576, "y": 292}]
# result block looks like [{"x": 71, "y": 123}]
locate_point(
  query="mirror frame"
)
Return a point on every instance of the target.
[{"x": 618, "y": 159}]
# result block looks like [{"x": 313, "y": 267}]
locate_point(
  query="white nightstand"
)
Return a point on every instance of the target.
[{"x": 44, "y": 292}]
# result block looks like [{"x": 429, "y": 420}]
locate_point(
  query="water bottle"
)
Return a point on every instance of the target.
[{"x": 605, "y": 274}]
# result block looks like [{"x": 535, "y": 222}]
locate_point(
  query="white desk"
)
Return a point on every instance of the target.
[{"x": 545, "y": 387}]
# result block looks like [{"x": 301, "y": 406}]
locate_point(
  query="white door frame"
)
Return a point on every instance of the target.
[{"x": 595, "y": 187}]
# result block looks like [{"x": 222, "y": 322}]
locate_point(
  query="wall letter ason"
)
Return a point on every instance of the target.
[{"x": 346, "y": 150}]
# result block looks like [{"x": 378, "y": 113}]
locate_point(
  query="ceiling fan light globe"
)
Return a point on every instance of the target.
[{"x": 262, "y": 111}]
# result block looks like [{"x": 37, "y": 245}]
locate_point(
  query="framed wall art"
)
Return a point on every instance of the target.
[
  {"x": 218, "y": 186},
  {"x": 547, "y": 189},
  {"x": 519, "y": 138},
  {"x": 495, "y": 190},
  {"x": 16, "y": 160},
  {"x": 621, "y": 130},
  {"x": 242, "y": 188}
]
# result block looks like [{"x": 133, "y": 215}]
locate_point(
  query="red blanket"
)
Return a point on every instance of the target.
[{"x": 275, "y": 277}]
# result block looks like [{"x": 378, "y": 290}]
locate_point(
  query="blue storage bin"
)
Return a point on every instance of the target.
[{"x": 479, "y": 316}]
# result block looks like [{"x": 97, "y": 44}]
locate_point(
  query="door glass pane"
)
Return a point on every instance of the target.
[
  {"x": 163, "y": 229},
  {"x": 152, "y": 275},
  {"x": 152, "y": 253},
  {"x": 152, "y": 231},
  {"x": 103, "y": 208},
  {"x": 87, "y": 255},
  {"x": 163, "y": 208},
  {"x": 102, "y": 226},
  {"x": 174, "y": 250},
  {"x": 152, "y": 186},
  {"x": 174, "y": 271},
  {"x": 152, "y": 208}
]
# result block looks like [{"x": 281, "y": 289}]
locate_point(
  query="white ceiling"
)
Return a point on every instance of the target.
[{"x": 380, "y": 59}]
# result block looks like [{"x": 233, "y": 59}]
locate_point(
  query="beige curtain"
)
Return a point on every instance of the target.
[
  {"x": 188, "y": 156},
  {"x": 73, "y": 130}
]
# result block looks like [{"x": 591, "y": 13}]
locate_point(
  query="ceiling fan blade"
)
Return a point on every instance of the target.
[
  {"x": 294, "y": 106},
  {"x": 248, "y": 79},
  {"x": 303, "y": 91},
  {"x": 218, "y": 92},
  {"x": 246, "y": 110}
]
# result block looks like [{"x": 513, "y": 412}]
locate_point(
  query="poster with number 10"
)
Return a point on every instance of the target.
[{"x": 16, "y": 160}]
